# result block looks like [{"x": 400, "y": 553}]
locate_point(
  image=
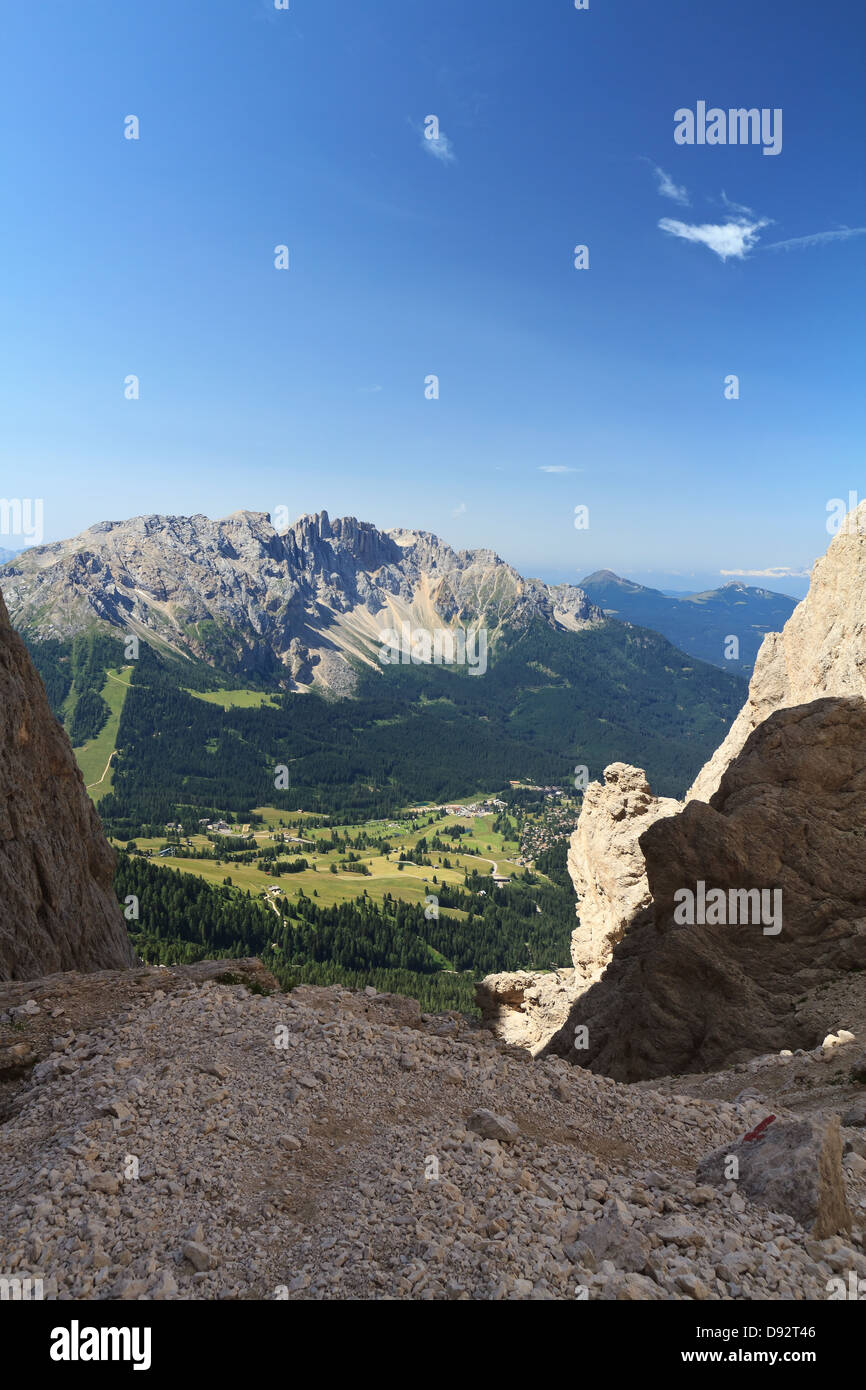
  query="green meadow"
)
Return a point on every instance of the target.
[
  {"x": 93, "y": 757},
  {"x": 411, "y": 882},
  {"x": 234, "y": 699}
]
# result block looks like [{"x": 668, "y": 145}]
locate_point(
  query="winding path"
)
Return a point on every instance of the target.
[{"x": 105, "y": 772}]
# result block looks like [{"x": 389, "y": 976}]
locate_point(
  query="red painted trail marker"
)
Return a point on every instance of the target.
[{"x": 758, "y": 1130}]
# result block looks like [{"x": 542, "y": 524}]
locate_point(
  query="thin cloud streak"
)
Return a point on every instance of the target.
[
  {"x": 774, "y": 572},
  {"x": 736, "y": 207},
  {"x": 815, "y": 239},
  {"x": 668, "y": 189}
]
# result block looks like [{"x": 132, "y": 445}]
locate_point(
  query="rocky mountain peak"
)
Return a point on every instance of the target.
[{"x": 236, "y": 593}]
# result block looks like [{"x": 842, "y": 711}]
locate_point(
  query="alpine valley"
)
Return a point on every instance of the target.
[{"x": 257, "y": 650}]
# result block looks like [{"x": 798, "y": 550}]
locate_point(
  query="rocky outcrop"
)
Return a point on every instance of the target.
[
  {"x": 525, "y": 1007},
  {"x": 58, "y": 910},
  {"x": 820, "y": 651},
  {"x": 789, "y": 818},
  {"x": 607, "y": 864}
]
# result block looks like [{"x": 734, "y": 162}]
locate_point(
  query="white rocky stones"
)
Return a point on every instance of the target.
[
  {"x": 25, "y": 1010},
  {"x": 612, "y": 1237},
  {"x": 103, "y": 1182},
  {"x": 372, "y": 1184},
  {"x": 198, "y": 1255}
]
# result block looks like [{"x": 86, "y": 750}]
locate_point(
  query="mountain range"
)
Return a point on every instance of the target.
[
  {"x": 236, "y": 605},
  {"x": 701, "y": 624},
  {"x": 306, "y": 606}
]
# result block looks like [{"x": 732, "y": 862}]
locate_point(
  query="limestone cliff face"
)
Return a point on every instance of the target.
[
  {"x": 607, "y": 865},
  {"x": 790, "y": 817},
  {"x": 776, "y": 808},
  {"x": 58, "y": 910},
  {"x": 526, "y": 1007},
  {"x": 820, "y": 651}
]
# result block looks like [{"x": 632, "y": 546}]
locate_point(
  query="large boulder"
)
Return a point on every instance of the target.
[
  {"x": 789, "y": 818},
  {"x": 58, "y": 910},
  {"x": 792, "y": 1166}
]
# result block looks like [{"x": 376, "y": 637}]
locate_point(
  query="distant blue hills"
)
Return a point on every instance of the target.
[{"x": 702, "y": 625}]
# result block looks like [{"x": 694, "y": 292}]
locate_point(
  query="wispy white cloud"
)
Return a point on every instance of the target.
[
  {"x": 458, "y": 511},
  {"x": 727, "y": 239},
  {"x": 556, "y": 468},
  {"x": 736, "y": 207},
  {"x": 441, "y": 148},
  {"x": 816, "y": 239},
  {"x": 668, "y": 189},
  {"x": 773, "y": 572},
  {"x": 740, "y": 233}
]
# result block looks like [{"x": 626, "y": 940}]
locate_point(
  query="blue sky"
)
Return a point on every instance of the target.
[{"x": 305, "y": 388}]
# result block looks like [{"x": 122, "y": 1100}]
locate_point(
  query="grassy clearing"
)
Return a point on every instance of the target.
[
  {"x": 93, "y": 756},
  {"x": 408, "y": 884},
  {"x": 411, "y": 883},
  {"x": 274, "y": 818},
  {"x": 234, "y": 699}
]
